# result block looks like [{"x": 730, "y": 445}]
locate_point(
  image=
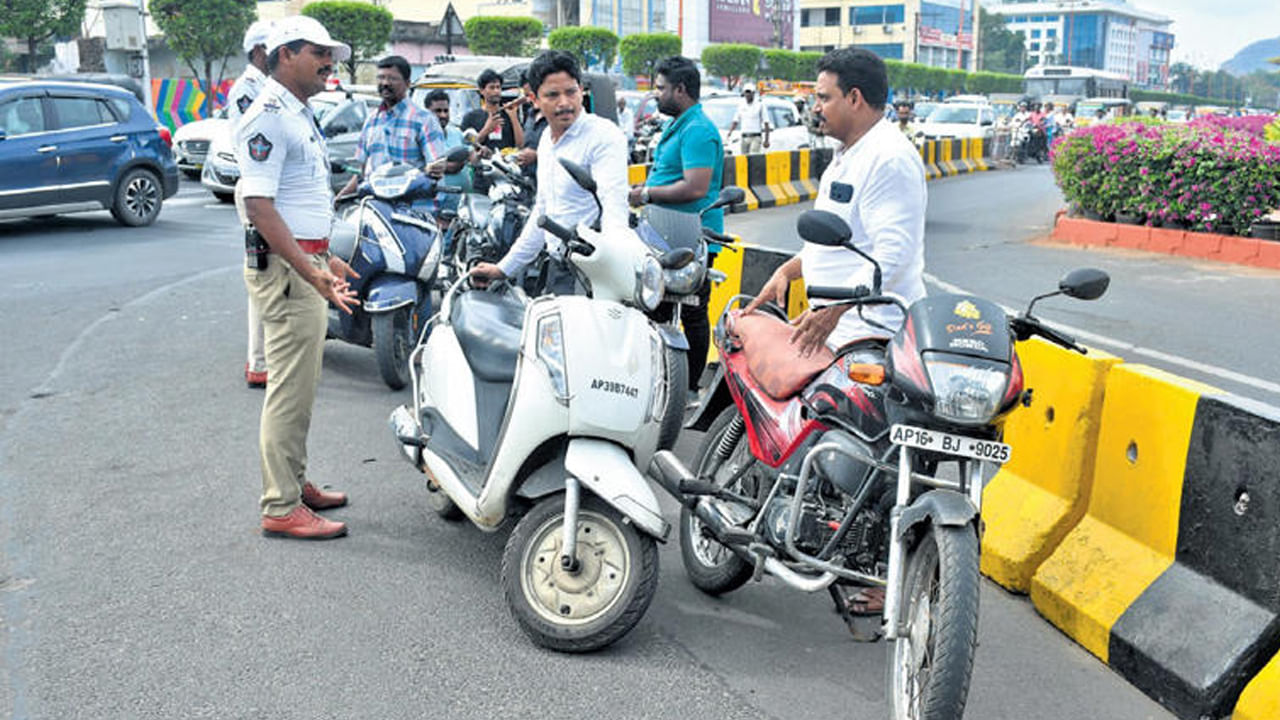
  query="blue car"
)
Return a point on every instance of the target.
[{"x": 69, "y": 147}]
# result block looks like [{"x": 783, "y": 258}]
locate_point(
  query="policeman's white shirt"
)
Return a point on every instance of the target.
[
  {"x": 627, "y": 122},
  {"x": 594, "y": 143},
  {"x": 281, "y": 154},
  {"x": 750, "y": 117},
  {"x": 243, "y": 92},
  {"x": 878, "y": 186}
]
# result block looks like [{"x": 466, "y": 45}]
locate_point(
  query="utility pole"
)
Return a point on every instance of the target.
[{"x": 146, "y": 58}]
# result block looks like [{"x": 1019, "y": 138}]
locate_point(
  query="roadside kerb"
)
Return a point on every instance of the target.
[{"x": 1169, "y": 241}]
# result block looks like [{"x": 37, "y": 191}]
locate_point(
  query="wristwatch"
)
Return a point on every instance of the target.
[{"x": 644, "y": 195}]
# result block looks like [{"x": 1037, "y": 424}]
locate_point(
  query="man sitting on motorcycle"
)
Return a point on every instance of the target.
[
  {"x": 589, "y": 140},
  {"x": 876, "y": 182}
]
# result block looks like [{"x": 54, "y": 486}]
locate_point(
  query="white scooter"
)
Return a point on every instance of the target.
[{"x": 551, "y": 405}]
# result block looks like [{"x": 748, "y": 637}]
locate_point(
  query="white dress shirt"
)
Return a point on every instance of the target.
[
  {"x": 750, "y": 117},
  {"x": 597, "y": 145},
  {"x": 878, "y": 186},
  {"x": 281, "y": 154},
  {"x": 627, "y": 121},
  {"x": 243, "y": 92}
]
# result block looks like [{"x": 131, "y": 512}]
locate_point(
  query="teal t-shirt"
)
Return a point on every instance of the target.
[{"x": 691, "y": 141}]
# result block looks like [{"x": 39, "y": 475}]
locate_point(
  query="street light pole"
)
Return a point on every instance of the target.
[{"x": 146, "y": 58}]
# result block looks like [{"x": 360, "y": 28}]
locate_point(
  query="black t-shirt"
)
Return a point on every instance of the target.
[{"x": 476, "y": 120}]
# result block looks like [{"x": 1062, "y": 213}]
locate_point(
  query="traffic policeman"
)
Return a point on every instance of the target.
[
  {"x": 284, "y": 173},
  {"x": 243, "y": 92}
]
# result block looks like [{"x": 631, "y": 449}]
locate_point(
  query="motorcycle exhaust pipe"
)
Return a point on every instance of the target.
[{"x": 677, "y": 480}]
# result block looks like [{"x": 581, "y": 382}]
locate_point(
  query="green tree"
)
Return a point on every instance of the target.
[
  {"x": 514, "y": 36},
  {"x": 642, "y": 52},
  {"x": 37, "y": 21},
  {"x": 781, "y": 64},
  {"x": 365, "y": 27},
  {"x": 204, "y": 33},
  {"x": 807, "y": 65},
  {"x": 731, "y": 61},
  {"x": 590, "y": 45},
  {"x": 1002, "y": 49}
]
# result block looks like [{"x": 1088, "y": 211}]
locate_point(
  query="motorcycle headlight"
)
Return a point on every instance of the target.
[
  {"x": 551, "y": 353},
  {"x": 649, "y": 285},
  {"x": 966, "y": 390},
  {"x": 684, "y": 280}
]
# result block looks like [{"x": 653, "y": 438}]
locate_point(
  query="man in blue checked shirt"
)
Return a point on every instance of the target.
[{"x": 398, "y": 131}]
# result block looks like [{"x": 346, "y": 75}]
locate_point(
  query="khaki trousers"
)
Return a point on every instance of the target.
[
  {"x": 257, "y": 358},
  {"x": 294, "y": 318},
  {"x": 752, "y": 144}
]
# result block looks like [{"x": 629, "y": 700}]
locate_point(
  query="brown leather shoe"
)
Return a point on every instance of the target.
[
  {"x": 302, "y": 524},
  {"x": 317, "y": 499}
]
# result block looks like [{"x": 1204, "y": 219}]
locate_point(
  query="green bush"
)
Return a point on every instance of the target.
[
  {"x": 642, "y": 52},
  {"x": 590, "y": 45},
  {"x": 514, "y": 36},
  {"x": 732, "y": 61}
]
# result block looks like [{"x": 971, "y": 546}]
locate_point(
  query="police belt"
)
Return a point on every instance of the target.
[
  {"x": 256, "y": 243},
  {"x": 747, "y": 134}
]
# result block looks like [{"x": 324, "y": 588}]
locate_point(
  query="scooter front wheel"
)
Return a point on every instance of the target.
[
  {"x": 597, "y": 603},
  {"x": 392, "y": 343}
]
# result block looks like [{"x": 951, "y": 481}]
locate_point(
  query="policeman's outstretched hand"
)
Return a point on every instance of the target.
[
  {"x": 814, "y": 326},
  {"x": 484, "y": 273},
  {"x": 334, "y": 287},
  {"x": 773, "y": 291}
]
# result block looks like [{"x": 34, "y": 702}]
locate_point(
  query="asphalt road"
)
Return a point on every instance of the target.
[{"x": 134, "y": 583}]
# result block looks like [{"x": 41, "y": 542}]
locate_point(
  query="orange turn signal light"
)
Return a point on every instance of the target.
[{"x": 867, "y": 373}]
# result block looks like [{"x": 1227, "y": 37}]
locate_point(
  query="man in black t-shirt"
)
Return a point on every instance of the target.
[{"x": 497, "y": 126}]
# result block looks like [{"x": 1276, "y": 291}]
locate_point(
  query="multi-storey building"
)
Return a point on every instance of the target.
[
  {"x": 1109, "y": 35},
  {"x": 940, "y": 33}
]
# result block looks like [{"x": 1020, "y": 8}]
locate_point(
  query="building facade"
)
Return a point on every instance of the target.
[
  {"x": 940, "y": 33},
  {"x": 1110, "y": 35}
]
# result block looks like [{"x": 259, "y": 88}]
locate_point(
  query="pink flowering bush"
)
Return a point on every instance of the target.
[
  {"x": 1203, "y": 177},
  {"x": 1252, "y": 124}
]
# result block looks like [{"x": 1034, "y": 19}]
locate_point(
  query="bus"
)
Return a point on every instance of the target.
[{"x": 1063, "y": 84}]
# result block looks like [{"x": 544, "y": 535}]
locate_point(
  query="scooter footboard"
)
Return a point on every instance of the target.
[{"x": 606, "y": 470}]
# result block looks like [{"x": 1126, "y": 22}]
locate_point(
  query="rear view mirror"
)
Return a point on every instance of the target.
[
  {"x": 459, "y": 154},
  {"x": 676, "y": 259},
  {"x": 1085, "y": 284},
  {"x": 579, "y": 175},
  {"x": 823, "y": 228}
]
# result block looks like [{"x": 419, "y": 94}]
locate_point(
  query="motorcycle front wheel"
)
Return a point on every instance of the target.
[
  {"x": 392, "y": 342},
  {"x": 677, "y": 395},
  {"x": 713, "y": 568},
  {"x": 931, "y": 662},
  {"x": 597, "y": 604}
]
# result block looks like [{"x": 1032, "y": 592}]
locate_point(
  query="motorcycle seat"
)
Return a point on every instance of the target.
[
  {"x": 488, "y": 327},
  {"x": 773, "y": 362}
]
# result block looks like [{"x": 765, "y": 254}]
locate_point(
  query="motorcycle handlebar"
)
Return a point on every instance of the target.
[
  {"x": 718, "y": 237},
  {"x": 555, "y": 228},
  {"x": 827, "y": 292},
  {"x": 1025, "y": 327}
]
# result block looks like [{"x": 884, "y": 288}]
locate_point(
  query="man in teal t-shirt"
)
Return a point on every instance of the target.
[
  {"x": 689, "y": 160},
  {"x": 686, "y": 175}
]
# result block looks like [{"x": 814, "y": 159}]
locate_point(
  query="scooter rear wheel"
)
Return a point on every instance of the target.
[{"x": 599, "y": 603}]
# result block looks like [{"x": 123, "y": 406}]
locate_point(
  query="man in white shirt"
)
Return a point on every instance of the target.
[
  {"x": 241, "y": 96},
  {"x": 588, "y": 140},
  {"x": 754, "y": 122},
  {"x": 284, "y": 179},
  {"x": 627, "y": 122},
  {"x": 876, "y": 183}
]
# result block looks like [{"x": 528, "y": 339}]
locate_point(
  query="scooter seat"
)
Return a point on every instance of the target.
[
  {"x": 488, "y": 327},
  {"x": 772, "y": 361}
]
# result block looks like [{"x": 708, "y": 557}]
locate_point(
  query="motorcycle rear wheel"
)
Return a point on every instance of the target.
[
  {"x": 602, "y": 601},
  {"x": 392, "y": 342},
  {"x": 713, "y": 568},
  {"x": 931, "y": 663}
]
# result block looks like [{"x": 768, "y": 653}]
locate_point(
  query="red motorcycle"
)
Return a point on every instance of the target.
[{"x": 824, "y": 471}]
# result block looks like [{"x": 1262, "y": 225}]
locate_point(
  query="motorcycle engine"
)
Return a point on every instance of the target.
[{"x": 862, "y": 545}]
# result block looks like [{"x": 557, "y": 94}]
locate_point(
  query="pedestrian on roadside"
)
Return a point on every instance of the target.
[
  {"x": 754, "y": 122},
  {"x": 627, "y": 121},
  {"x": 398, "y": 131},
  {"x": 688, "y": 164},
  {"x": 903, "y": 110},
  {"x": 284, "y": 176},
  {"x": 241, "y": 96}
]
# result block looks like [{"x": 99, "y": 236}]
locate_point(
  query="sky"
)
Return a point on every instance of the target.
[{"x": 1207, "y": 33}]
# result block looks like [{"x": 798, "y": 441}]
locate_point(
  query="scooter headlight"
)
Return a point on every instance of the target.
[
  {"x": 658, "y": 369},
  {"x": 649, "y": 285},
  {"x": 966, "y": 390},
  {"x": 551, "y": 353}
]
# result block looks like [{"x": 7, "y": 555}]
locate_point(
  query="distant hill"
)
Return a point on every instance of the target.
[{"x": 1254, "y": 57}]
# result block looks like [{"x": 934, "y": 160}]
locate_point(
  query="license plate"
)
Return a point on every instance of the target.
[{"x": 989, "y": 450}]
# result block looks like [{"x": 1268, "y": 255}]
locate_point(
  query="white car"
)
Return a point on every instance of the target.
[
  {"x": 341, "y": 116},
  {"x": 959, "y": 120},
  {"x": 191, "y": 142},
  {"x": 789, "y": 131}
]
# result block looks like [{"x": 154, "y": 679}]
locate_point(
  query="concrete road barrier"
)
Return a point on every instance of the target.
[
  {"x": 1039, "y": 496},
  {"x": 1261, "y": 698}
]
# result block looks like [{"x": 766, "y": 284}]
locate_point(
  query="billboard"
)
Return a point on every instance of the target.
[{"x": 751, "y": 21}]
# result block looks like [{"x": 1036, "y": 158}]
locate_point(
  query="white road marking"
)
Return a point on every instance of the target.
[{"x": 1128, "y": 347}]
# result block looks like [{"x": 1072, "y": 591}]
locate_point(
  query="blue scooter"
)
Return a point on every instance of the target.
[{"x": 395, "y": 247}]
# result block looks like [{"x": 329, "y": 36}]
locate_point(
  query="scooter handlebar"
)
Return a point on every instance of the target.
[{"x": 555, "y": 228}]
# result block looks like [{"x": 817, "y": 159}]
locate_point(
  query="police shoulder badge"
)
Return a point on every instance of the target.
[
  {"x": 244, "y": 102},
  {"x": 259, "y": 147}
]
